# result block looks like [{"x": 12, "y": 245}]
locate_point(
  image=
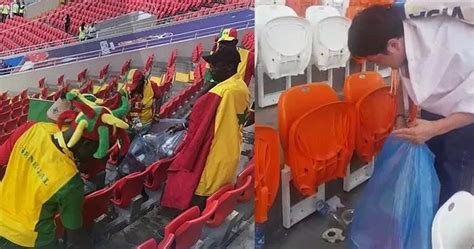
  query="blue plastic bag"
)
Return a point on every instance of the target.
[{"x": 400, "y": 200}]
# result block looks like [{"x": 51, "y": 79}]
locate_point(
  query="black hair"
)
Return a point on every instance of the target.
[{"x": 372, "y": 28}]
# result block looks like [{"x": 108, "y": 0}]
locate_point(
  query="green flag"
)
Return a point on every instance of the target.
[{"x": 38, "y": 109}]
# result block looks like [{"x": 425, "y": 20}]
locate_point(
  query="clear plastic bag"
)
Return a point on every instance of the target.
[
  {"x": 140, "y": 154},
  {"x": 147, "y": 149},
  {"x": 165, "y": 143},
  {"x": 399, "y": 202}
]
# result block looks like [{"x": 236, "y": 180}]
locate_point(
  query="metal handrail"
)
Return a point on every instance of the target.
[
  {"x": 132, "y": 47},
  {"x": 71, "y": 40}
]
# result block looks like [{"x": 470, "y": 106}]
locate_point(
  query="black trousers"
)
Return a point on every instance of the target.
[{"x": 454, "y": 159}]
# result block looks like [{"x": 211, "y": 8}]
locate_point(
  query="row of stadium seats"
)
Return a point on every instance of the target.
[
  {"x": 96, "y": 11},
  {"x": 13, "y": 113},
  {"x": 183, "y": 97},
  {"x": 248, "y": 41},
  {"x": 21, "y": 35},
  {"x": 18, "y": 32},
  {"x": 359, "y": 123},
  {"x": 187, "y": 229}
]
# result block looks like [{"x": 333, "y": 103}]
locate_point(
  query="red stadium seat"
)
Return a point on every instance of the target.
[
  {"x": 16, "y": 112},
  {"x": 149, "y": 244},
  {"x": 248, "y": 193},
  {"x": 5, "y": 116},
  {"x": 227, "y": 200},
  {"x": 16, "y": 104},
  {"x": 125, "y": 67},
  {"x": 4, "y": 137},
  {"x": 4, "y": 95},
  {"x": 22, "y": 119},
  {"x": 189, "y": 232},
  {"x": 127, "y": 188},
  {"x": 10, "y": 125},
  {"x": 170, "y": 229},
  {"x": 157, "y": 174},
  {"x": 24, "y": 94},
  {"x": 95, "y": 205}
]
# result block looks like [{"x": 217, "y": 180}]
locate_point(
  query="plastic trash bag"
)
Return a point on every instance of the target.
[
  {"x": 165, "y": 143},
  {"x": 400, "y": 200},
  {"x": 140, "y": 154}
]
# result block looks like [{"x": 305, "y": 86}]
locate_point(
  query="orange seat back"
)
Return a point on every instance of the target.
[
  {"x": 321, "y": 145},
  {"x": 356, "y": 6},
  {"x": 267, "y": 171},
  {"x": 352, "y": 11},
  {"x": 300, "y": 6},
  {"x": 358, "y": 85},
  {"x": 376, "y": 117},
  {"x": 297, "y": 101}
]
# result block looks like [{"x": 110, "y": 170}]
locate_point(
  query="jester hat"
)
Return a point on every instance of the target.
[
  {"x": 98, "y": 120},
  {"x": 134, "y": 78},
  {"x": 228, "y": 34}
]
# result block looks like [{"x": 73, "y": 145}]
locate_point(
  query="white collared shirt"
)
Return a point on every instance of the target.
[{"x": 440, "y": 55}]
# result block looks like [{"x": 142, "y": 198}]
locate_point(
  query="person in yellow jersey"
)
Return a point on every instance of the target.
[
  {"x": 5, "y": 12},
  {"x": 42, "y": 164},
  {"x": 16, "y": 8},
  {"x": 145, "y": 98},
  {"x": 83, "y": 32},
  {"x": 211, "y": 150}
]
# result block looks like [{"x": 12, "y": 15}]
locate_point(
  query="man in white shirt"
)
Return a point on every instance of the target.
[
  {"x": 92, "y": 31},
  {"x": 435, "y": 57}
]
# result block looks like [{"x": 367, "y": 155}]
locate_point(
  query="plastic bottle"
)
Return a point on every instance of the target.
[
  {"x": 323, "y": 207},
  {"x": 259, "y": 236}
]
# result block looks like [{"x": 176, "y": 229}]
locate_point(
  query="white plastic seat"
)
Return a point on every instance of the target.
[
  {"x": 340, "y": 5},
  {"x": 269, "y": 2},
  {"x": 265, "y": 13},
  {"x": 285, "y": 46},
  {"x": 453, "y": 225},
  {"x": 316, "y": 14},
  {"x": 330, "y": 31}
]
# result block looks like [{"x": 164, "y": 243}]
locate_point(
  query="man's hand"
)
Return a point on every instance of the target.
[{"x": 419, "y": 131}]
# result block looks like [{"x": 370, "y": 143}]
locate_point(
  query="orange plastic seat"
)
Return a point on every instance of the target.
[
  {"x": 358, "y": 85},
  {"x": 375, "y": 2},
  {"x": 321, "y": 145},
  {"x": 300, "y": 6},
  {"x": 298, "y": 100},
  {"x": 267, "y": 171},
  {"x": 357, "y": 6},
  {"x": 376, "y": 114},
  {"x": 352, "y": 11}
]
